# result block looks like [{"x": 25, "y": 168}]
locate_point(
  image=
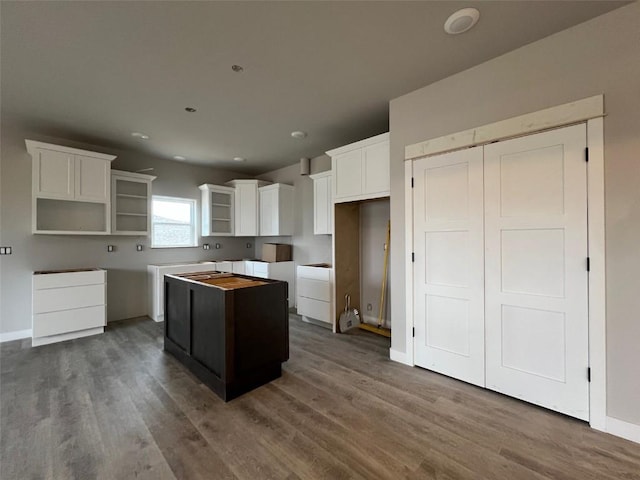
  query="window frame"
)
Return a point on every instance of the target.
[{"x": 193, "y": 223}]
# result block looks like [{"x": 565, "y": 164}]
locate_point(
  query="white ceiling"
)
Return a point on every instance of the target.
[{"x": 96, "y": 71}]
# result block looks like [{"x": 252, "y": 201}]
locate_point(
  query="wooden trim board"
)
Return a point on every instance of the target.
[{"x": 561, "y": 115}]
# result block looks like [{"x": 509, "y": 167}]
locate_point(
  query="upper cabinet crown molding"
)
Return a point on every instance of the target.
[
  {"x": 361, "y": 170},
  {"x": 33, "y": 146}
]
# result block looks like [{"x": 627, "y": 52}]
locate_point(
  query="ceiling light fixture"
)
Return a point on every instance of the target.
[
  {"x": 299, "y": 134},
  {"x": 190, "y": 109},
  {"x": 461, "y": 21},
  {"x": 237, "y": 68},
  {"x": 239, "y": 159},
  {"x": 179, "y": 157},
  {"x": 143, "y": 136}
]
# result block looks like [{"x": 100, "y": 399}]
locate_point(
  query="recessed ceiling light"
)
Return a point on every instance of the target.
[
  {"x": 190, "y": 109},
  {"x": 143, "y": 136},
  {"x": 237, "y": 68},
  {"x": 298, "y": 134},
  {"x": 238, "y": 159},
  {"x": 179, "y": 157},
  {"x": 461, "y": 21}
]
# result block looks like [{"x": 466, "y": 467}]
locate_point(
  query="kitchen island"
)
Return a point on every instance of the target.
[{"x": 229, "y": 330}]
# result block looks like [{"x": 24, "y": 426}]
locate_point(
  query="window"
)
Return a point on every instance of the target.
[{"x": 173, "y": 222}]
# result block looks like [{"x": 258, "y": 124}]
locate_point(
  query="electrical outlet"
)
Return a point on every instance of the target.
[
  {"x": 3, "y": 250},
  {"x": 369, "y": 307},
  {"x": 139, "y": 248},
  {"x": 206, "y": 246},
  {"x": 248, "y": 244},
  {"x": 110, "y": 248},
  {"x": 218, "y": 245}
]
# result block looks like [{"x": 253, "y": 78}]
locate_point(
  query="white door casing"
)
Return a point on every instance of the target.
[
  {"x": 536, "y": 281},
  {"x": 449, "y": 265}
]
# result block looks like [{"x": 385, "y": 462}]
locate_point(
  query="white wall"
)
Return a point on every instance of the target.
[
  {"x": 126, "y": 277},
  {"x": 599, "y": 56}
]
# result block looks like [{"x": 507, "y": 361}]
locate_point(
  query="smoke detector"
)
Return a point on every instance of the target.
[{"x": 461, "y": 21}]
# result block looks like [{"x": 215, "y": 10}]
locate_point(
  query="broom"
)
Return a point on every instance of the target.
[{"x": 379, "y": 329}]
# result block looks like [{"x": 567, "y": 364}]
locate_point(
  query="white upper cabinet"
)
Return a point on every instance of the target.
[
  {"x": 246, "y": 206},
  {"x": 71, "y": 190},
  {"x": 276, "y": 210},
  {"x": 130, "y": 203},
  {"x": 322, "y": 203},
  {"x": 361, "y": 169},
  {"x": 218, "y": 211}
]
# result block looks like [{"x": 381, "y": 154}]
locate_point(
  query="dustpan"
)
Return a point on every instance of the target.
[{"x": 349, "y": 318}]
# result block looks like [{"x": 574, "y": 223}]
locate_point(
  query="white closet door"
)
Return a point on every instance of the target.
[
  {"x": 449, "y": 265},
  {"x": 536, "y": 278}
]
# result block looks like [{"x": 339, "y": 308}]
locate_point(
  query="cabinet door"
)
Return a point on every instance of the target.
[
  {"x": 375, "y": 169},
  {"x": 348, "y": 174},
  {"x": 219, "y": 215},
  {"x": 322, "y": 206},
  {"x": 246, "y": 210},
  {"x": 92, "y": 179},
  {"x": 268, "y": 212},
  {"x": 53, "y": 174}
]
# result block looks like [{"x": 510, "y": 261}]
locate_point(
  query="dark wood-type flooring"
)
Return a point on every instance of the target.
[{"x": 115, "y": 406}]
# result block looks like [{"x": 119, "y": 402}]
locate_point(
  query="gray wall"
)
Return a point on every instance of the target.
[
  {"x": 599, "y": 56},
  {"x": 126, "y": 290},
  {"x": 374, "y": 216}
]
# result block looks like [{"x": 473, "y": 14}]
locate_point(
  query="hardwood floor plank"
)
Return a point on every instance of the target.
[{"x": 115, "y": 406}]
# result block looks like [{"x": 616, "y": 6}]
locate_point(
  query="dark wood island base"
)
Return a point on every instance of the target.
[{"x": 230, "y": 331}]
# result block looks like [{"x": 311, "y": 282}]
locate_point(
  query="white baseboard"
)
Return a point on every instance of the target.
[
  {"x": 623, "y": 429},
  {"x": 400, "y": 357},
  {"x": 15, "y": 335}
]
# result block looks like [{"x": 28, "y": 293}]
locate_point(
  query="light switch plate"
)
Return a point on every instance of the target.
[
  {"x": 139, "y": 248},
  {"x": 110, "y": 248}
]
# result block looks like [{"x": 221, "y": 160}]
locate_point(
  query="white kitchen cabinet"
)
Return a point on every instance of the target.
[
  {"x": 322, "y": 203},
  {"x": 155, "y": 283},
  {"x": 361, "y": 170},
  {"x": 276, "y": 271},
  {"x": 314, "y": 293},
  {"x": 130, "y": 203},
  {"x": 68, "y": 304},
  {"x": 276, "y": 210},
  {"x": 246, "y": 206},
  {"x": 218, "y": 211},
  {"x": 71, "y": 190}
]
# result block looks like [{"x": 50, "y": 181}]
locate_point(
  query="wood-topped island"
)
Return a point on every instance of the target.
[{"x": 231, "y": 331}]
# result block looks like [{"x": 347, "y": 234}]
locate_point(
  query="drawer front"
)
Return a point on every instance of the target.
[
  {"x": 315, "y": 289},
  {"x": 314, "y": 273},
  {"x": 70, "y": 279},
  {"x": 55, "y": 323},
  {"x": 54, "y": 299},
  {"x": 314, "y": 309},
  {"x": 261, "y": 269}
]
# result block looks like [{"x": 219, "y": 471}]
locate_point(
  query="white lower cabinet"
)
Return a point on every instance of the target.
[
  {"x": 275, "y": 271},
  {"x": 155, "y": 283},
  {"x": 68, "y": 304},
  {"x": 314, "y": 293}
]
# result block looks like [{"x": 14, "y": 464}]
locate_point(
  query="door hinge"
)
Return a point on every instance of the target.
[
  {"x": 588, "y": 374},
  {"x": 413, "y": 332},
  {"x": 411, "y": 182},
  {"x": 413, "y": 256},
  {"x": 586, "y": 154},
  {"x": 588, "y": 264}
]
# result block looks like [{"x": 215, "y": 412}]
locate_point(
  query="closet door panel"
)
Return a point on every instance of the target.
[
  {"x": 536, "y": 278},
  {"x": 449, "y": 265}
]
